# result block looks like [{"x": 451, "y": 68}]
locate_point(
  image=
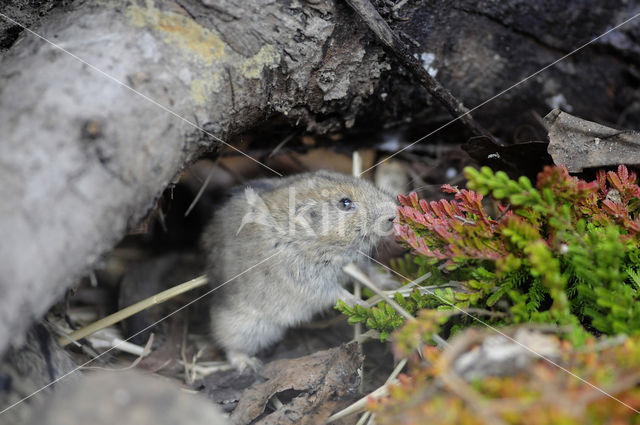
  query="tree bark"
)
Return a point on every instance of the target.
[
  {"x": 481, "y": 48},
  {"x": 83, "y": 157}
]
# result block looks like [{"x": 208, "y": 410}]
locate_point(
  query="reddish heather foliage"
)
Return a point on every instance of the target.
[{"x": 461, "y": 229}]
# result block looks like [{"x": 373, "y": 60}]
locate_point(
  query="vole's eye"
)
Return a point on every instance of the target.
[{"x": 345, "y": 204}]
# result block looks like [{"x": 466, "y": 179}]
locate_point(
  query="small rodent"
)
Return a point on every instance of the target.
[
  {"x": 312, "y": 225},
  {"x": 36, "y": 366}
]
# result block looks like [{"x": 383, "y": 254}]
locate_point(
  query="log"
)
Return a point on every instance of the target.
[
  {"x": 92, "y": 136},
  {"x": 480, "y": 48},
  {"x": 27, "y": 12}
]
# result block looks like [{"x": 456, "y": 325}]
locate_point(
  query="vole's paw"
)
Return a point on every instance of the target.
[{"x": 242, "y": 361}]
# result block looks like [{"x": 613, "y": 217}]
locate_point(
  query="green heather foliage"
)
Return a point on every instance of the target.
[{"x": 563, "y": 252}]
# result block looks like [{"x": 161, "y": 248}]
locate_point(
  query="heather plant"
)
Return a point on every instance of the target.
[
  {"x": 564, "y": 251},
  {"x": 540, "y": 393}
]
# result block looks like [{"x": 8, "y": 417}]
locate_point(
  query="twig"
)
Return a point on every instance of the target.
[
  {"x": 188, "y": 366},
  {"x": 406, "y": 289},
  {"x": 380, "y": 392},
  {"x": 604, "y": 344},
  {"x": 358, "y": 406},
  {"x": 466, "y": 392},
  {"x": 203, "y": 187},
  {"x": 107, "y": 338},
  {"x": 391, "y": 41},
  {"x": 479, "y": 311},
  {"x": 161, "y": 218},
  {"x": 398, "y": 5},
  {"x": 93, "y": 279},
  {"x": 208, "y": 368},
  {"x": 370, "y": 334},
  {"x": 623, "y": 383},
  {"x": 503, "y": 213},
  {"x": 356, "y": 170},
  {"x": 396, "y": 371},
  {"x": 64, "y": 335},
  {"x": 353, "y": 271},
  {"x": 363, "y": 418},
  {"x": 464, "y": 220},
  {"x": 459, "y": 386},
  {"x": 276, "y": 403},
  {"x": 144, "y": 352},
  {"x": 133, "y": 309},
  {"x": 281, "y": 144}
]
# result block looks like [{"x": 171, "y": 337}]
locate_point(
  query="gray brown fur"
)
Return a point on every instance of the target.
[
  {"x": 305, "y": 275},
  {"x": 28, "y": 373}
]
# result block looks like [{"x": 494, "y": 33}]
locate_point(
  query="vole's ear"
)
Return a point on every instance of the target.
[
  {"x": 256, "y": 211},
  {"x": 306, "y": 210},
  {"x": 307, "y": 216}
]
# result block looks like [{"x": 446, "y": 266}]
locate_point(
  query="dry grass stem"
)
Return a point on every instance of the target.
[
  {"x": 146, "y": 350},
  {"x": 380, "y": 392},
  {"x": 133, "y": 309},
  {"x": 355, "y": 272},
  {"x": 406, "y": 290}
]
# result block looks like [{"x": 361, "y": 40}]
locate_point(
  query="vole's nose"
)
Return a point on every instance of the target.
[{"x": 389, "y": 225}]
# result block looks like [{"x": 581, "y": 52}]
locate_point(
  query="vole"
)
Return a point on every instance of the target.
[
  {"x": 278, "y": 246},
  {"x": 29, "y": 369}
]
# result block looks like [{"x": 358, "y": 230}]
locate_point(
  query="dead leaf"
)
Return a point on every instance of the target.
[
  {"x": 310, "y": 388},
  {"x": 580, "y": 144},
  {"x": 226, "y": 387},
  {"x": 166, "y": 357},
  {"x": 520, "y": 159}
]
